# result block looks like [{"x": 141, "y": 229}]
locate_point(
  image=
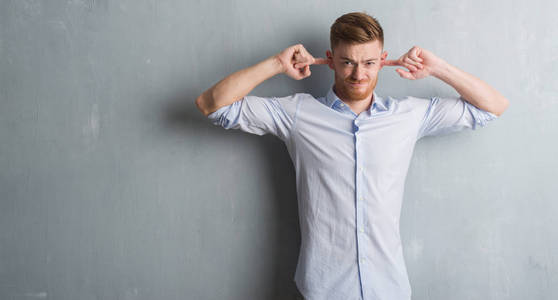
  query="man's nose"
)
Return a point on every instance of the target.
[{"x": 358, "y": 73}]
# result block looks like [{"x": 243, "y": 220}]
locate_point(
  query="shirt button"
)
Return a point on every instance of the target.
[
  {"x": 361, "y": 230},
  {"x": 362, "y": 260},
  {"x": 361, "y": 198},
  {"x": 361, "y": 168},
  {"x": 342, "y": 104}
]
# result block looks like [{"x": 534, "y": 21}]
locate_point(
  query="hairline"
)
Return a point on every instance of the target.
[{"x": 356, "y": 43}]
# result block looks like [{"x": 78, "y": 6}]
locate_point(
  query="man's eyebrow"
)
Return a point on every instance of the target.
[{"x": 346, "y": 58}]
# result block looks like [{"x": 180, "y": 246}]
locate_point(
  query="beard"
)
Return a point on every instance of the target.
[{"x": 351, "y": 93}]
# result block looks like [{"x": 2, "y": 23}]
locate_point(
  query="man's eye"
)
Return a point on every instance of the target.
[
  {"x": 347, "y": 62},
  {"x": 370, "y": 63}
]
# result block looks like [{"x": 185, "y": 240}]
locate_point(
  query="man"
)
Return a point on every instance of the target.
[{"x": 351, "y": 150}]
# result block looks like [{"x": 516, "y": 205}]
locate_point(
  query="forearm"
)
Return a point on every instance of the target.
[
  {"x": 237, "y": 85},
  {"x": 472, "y": 89}
]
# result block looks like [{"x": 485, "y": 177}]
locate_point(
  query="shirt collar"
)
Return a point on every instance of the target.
[{"x": 379, "y": 103}]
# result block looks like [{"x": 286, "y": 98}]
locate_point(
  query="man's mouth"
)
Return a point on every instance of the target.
[{"x": 357, "y": 84}]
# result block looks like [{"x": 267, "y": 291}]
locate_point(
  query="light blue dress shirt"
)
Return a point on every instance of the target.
[{"x": 350, "y": 175}]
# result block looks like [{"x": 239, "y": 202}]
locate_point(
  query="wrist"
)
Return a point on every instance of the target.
[
  {"x": 276, "y": 64},
  {"x": 441, "y": 70}
]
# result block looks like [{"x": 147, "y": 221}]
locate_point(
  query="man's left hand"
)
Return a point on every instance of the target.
[{"x": 420, "y": 63}]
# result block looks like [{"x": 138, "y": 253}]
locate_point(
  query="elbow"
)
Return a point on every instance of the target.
[
  {"x": 503, "y": 105},
  {"x": 201, "y": 104}
]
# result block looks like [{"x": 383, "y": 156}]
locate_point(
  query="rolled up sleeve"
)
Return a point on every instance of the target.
[
  {"x": 258, "y": 115},
  {"x": 447, "y": 115}
]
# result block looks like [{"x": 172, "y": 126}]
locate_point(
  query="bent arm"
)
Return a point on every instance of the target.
[
  {"x": 294, "y": 61},
  {"x": 237, "y": 85},
  {"x": 472, "y": 89},
  {"x": 422, "y": 63}
]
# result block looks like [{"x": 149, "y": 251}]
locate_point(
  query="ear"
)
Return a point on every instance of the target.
[
  {"x": 329, "y": 56},
  {"x": 383, "y": 59}
]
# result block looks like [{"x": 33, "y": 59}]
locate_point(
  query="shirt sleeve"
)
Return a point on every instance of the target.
[
  {"x": 447, "y": 115},
  {"x": 258, "y": 115}
]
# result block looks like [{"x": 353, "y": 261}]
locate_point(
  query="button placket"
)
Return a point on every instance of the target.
[{"x": 361, "y": 240}]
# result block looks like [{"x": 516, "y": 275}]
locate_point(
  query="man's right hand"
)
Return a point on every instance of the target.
[{"x": 295, "y": 62}]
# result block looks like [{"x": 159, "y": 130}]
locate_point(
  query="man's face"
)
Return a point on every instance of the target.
[{"x": 356, "y": 69}]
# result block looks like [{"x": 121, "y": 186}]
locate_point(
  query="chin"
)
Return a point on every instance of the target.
[
  {"x": 360, "y": 94},
  {"x": 353, "y": 94}
]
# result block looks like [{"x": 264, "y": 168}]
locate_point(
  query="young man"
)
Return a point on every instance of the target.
[{"x": 351, "y": 150}]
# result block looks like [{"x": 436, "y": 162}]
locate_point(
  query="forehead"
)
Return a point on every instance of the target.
[{"x": 353, "y": 50}]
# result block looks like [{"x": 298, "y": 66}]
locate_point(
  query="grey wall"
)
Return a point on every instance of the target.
[{"x": 114, "y": 186}]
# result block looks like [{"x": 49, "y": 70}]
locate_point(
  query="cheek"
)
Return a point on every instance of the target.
[
  {"x": 341, "y": 75},
  {"x": 374, "y": 73}
]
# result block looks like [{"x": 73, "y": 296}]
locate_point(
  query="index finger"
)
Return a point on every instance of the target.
[
  {"x": 391, "y": 62},
  {"x": 320, "y": 61}
]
